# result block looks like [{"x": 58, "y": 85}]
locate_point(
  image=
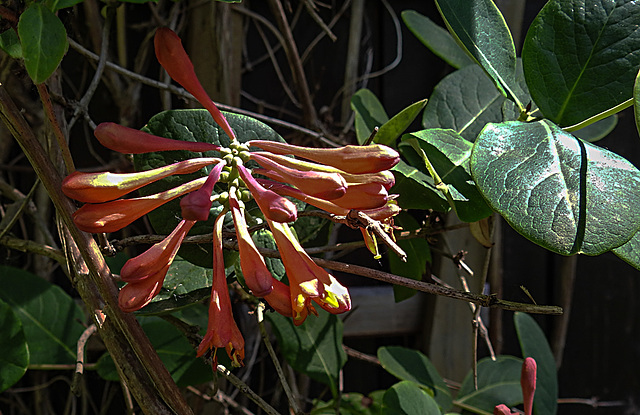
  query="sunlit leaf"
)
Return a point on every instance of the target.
[
  {"x": 561, "y": 192},
  {"x": 581, "y": 57}
]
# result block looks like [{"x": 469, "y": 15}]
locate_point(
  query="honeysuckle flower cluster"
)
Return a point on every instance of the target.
[{"x": 335, "y": 180}]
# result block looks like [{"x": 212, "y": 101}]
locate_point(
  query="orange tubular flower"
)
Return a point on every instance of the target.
[
  {"x": 320, "y": 184},
  {"x": 255, "y": 272},
  {"x": 176, "y": 62},
  {"x": 307, "y": 281},
  {"x": 222, "y": 330},
  {"x": 115, "y": 215},
  {"x": 384, "y": 177},
  {"x": 272, "y": 205},
  {"x": 129, "y": 141},
  {"x": 351, "y": 159},
  {"x": 145, "y": 273},
  {"x": 105, "y": 186}
]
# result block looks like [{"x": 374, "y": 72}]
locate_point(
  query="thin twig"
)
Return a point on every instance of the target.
[
  {"x": 245, "y": 389},
  {"x": 55, "y": 125},
  {"x": 82, "y": 342},
  {"x": 102, "y": 61},
  {"x": 25, "y": 245},
  {"x": 265, "y": 338}
]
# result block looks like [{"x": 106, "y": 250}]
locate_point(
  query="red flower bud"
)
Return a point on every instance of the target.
[
  {"x": 176, "y": 62},
  {"x": 130, "y": 141},
  {"x": 351, "y": 159},
  {"x": 196, "y": 205},
  {"x": 501, "y": 409},
  {"x": 528, "y": 383},
  {"x": 272, "y": 205}
]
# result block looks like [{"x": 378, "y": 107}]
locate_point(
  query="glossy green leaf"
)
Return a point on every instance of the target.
[
  {"x": 581, "y": 57},
  {"x": 412, "y": 365},
  {"x": 392, "y": 129},
  {"x": 407, "y": 398},
  {"x": 636, "y": 101},
  {"x": 416, "y": 189},
  {"x": 175, "y": 351},
  {"x": 436, "y": 38},
  {"x": 44, "y": 41},
  {"x": 313, "y": 348},
  {"x": 14, "y": 353},
  {"x": 465, "y": 101},
  {"x": 418, "y": 255},
  {"x": 630, "y": 252},
  {"x": 10, "y": 43},
  {"x": 563, "y": 193},
  {"x": 51, "y": 319},
  {"x": 369, "y": 113},
  {"x": 193, "y": 125},
  {"x": 480, "y": 28},
  {"x": 498, "y": 383},
  {"x": 449, "y": 155},
  {"x": 534, "y": 344}
]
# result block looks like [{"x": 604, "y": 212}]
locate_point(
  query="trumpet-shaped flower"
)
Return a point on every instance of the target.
[
  {"x": 528, "y": 383},
  {"x": 104, "y": 186},
  {"x": 307, "y": 280},
  {"x": 255, "y": 272},
  {"x": 146, "y": 272},
  {"x": 222, "y": 330},
  {"x": 351, "y": 159},
  {"x": 115, "y": 215},
  {"x": 321, "y": 184}
]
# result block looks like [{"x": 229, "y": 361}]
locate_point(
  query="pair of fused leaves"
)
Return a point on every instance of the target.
[
  {"x": 498, "y": 381},
  {"x": 579, "y": 61}
]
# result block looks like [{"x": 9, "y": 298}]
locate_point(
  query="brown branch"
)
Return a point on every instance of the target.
[{"x": 135, "y": 358}]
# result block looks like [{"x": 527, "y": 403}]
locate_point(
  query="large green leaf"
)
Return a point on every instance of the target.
[
  {"x": 44, "y": 41},
  {"x": 416, "y": 189},
  {"x": 193, "y": 125},
  {"x": 51, "y": 319},
  {"x": 14, "y": 353},
  {"x": 418, "y": 256},
  {"x": 313, "y": 348},
  {"x": 534, "y": 344},
  {"x": 498, "y": 383},
  {"x": 369, "y": 113},
  {"x": 480, "y": 28},
  {"x": 406, "y": 398},
  {"x": 412, "y": 365},
  {"x": 436, "y": 38},
  {"x": 557, "y": 190},
  {"x": 449, "y": 154},
  {"x": 175, "y": 351},
  {"x": 581, "y": 57},
  {"x": 465, "y": 101}
]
